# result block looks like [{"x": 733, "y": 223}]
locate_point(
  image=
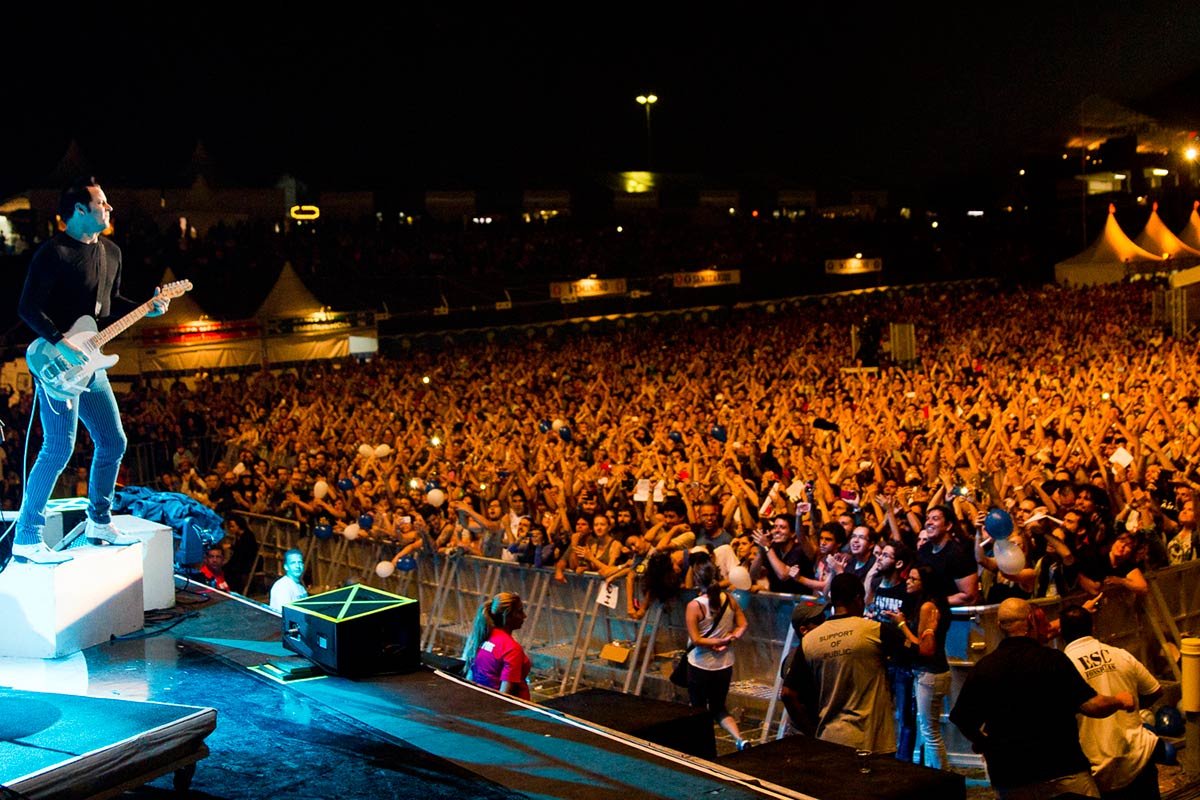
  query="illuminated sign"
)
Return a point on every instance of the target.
[
  {"x": 707, "y": 277},
  {"x": 853, "y": 266},
  {"x": 201, "y": 330},
  {"x": 304, "y": 212},
  {"x": 321, "y": 322},
  {"x": 588, "y": 287}
]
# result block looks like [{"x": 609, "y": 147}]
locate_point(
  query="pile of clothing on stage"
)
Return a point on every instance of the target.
[{"x": 195, "y": 525}]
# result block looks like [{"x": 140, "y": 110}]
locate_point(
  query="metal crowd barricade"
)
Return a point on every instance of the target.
[
  {"x": 566, "y": 627},
  {"x": 1142, "y": 627},
  {"x": 275, "y": 536},
  {"x": 758, "y": 667},
  {"x": 1174, "y": 607}
]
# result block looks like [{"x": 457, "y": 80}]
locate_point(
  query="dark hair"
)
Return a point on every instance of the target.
[
  {"x": 77, "y": 192},
  {"x": 873, "y": 536},
  {"x": 952, "y": 521},
  {"x": 661, "y": 580},
  {"x": 947, "y": 512},
  {"x": 839, "y": 533},
  {"x": 1099, "y": 497},
  {"x": 904, "y": 553},
  {"x": 708, "y": 578},
  {"x": 674, "y": 504},
  {"x": 845, "y": 588},
  {"x": 785, "y": 517},
  {"x": 1076, "y": 623},
  {"x": 929, "y": 585},
  {"x": 1053, "y": 485}
]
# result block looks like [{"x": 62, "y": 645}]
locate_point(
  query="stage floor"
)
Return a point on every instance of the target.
[{"x": 418, "y": 735}]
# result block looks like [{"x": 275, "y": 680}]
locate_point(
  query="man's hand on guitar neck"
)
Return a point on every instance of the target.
[
  {"x": 158, "y": 305},
  {"x": 70, "y": 352}
]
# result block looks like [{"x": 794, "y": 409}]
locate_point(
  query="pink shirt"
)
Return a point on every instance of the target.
[{"x": 500, "y": 658}]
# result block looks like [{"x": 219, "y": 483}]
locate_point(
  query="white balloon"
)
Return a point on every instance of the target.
[
  {"x": 320, "y": 489},
  {"x": 739, "y": 577},
  {"x": 556, "y": 424},
  {"x": 384, "y": 569},
  {"x": 1009, "y": 556},
  {"x": 351, "y": 531},
  {"x": 366, "y": 450},
  {"x": 382, "y": 451},
  {"x": 436, "y": 497}
]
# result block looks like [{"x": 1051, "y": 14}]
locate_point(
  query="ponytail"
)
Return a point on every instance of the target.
[
  {"x": 491, "y": 614},
  {"x": 708, "y": 577}
]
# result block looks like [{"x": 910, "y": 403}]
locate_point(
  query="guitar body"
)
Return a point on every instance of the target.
[
  {"x": 64, "y": 382},
  {"x": 59, "y": 379}
]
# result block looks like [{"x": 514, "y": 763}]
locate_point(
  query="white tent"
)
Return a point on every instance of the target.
[
  {"x": 171, "y": 342},
  {"x": 1106, "y": 260},
  {"x": 1191, "y": 234},
  {"x": 291, "y": 325},
  {"x": 297, "y": 327},
  {"x": 289, "y": 297},
  {"x": 1157, "y": 238}
]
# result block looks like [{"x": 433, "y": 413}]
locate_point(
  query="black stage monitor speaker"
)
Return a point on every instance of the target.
[
  {"x": 674, "y": 725},
  {"x": 355, "y": 631}
]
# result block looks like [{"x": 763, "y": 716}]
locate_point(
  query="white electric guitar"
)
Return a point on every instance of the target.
[{"x": 65, "y": 382}]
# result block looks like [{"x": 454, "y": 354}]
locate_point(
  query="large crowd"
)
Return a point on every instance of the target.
[
  {"x": 1068, "y": 408},
  {"x": 1043, "y": 443}
]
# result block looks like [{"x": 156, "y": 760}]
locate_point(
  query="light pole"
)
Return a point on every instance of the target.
[{"x": 647, "y": 101}]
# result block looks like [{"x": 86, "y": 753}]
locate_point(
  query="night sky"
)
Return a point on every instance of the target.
[{"x": 357, "y": 96}]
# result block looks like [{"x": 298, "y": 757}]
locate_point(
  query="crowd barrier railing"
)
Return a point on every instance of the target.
[
  {"x": 566, "y": 625},
  {"x": 568, "y": 622},
  {"x": 275, "y": 536}
]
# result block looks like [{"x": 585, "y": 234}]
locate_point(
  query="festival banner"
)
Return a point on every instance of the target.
[
  {"x": 588, "y": 287},
  {"x": 707, "y": 277}
]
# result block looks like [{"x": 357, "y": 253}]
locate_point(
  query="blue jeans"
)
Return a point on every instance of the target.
[
  {"x": 97, "y": 408},
  {"x": 932, "y": 688},
  {"x": 901, "y": 679}
]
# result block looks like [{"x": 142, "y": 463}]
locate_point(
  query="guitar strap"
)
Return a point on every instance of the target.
[{"x": 104, "y": 285}]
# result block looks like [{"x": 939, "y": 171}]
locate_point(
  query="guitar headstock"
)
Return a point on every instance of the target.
[{"x": 174, "y": 288}]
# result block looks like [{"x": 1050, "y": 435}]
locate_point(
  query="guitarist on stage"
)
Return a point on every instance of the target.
[{"x": 76, "y": 273}]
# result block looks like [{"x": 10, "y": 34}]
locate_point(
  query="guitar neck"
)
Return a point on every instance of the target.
[{"x": 120, "y": 326}]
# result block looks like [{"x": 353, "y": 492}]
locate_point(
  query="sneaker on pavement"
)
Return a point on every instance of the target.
[
  {"x": 97, "y": 532},
  {"x": 38, "y": 554}
]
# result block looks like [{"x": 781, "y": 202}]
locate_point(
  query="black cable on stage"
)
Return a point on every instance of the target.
[{"x": 151, "y": 634}]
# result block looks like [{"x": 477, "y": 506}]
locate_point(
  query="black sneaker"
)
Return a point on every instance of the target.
[{"x": 743, "y": 745}]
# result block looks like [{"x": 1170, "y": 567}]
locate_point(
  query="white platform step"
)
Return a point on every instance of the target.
[
  {"x": 49, "y": 612},
  {"x": 159, "y": 545},
  {"x": 158, "y": 559}
]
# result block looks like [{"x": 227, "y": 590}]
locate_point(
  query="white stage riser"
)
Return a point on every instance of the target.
[
  {"x": 157, "y": 539},
  {"x": 50, "y": 612},
  {"x": 158, "y": 559}
]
